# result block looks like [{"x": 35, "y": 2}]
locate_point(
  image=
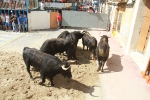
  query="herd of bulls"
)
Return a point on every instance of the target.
[{"x": 45, "y": 61}]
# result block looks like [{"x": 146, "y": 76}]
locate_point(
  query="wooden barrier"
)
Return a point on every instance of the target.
[{"x": 53, "y": 20}]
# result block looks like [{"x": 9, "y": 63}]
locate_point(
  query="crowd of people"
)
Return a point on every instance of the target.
[
  {"x": 13, "y": 23},
  {"x": 77, "y": 5}
]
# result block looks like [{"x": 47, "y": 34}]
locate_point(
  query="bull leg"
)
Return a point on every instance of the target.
[
  {"x": 28, "y": 69},
  {"x": 43, "y": 78},
  {"x": 74, "y": 55},
  {"x": 94, "y": 54},
  {"x": 87, "y": 48},
  {"x": 90, "y": 52},
  {"x": 99, "y": 63},
  {"x": 83, "y": 47},
  {"x": 68, "y": 54},
  {"x": 51, "y": 80},
  {"x": 103, "y": 63}
]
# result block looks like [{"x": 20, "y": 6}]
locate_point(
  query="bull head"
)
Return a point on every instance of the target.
[
  {"x": 63, "y": 67},
  {"x": 105, "y": 36}
]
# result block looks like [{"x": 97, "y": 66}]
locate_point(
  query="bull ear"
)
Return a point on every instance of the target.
[{"x": 63, "y": 67}]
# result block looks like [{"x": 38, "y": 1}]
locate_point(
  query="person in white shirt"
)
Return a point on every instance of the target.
[
  {"x": 42, "y": 5},
  {"x": 7, "y": 25}
]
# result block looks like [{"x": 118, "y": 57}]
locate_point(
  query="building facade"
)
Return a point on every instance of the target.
[{"x": 130, "y": 24}]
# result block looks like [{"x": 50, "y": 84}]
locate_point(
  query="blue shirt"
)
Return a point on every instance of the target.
[
  {"x": 26, "y": 20},
  {"x": 20, "y": 20}
]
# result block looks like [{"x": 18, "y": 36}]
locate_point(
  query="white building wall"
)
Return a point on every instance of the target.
[{"x": 39, "y": 20}]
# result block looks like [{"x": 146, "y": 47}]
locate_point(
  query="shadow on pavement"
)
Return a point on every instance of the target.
[{"x": 113, "y": 64}]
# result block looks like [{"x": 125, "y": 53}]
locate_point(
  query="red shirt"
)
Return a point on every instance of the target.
[{"x": 59, "y": 17}]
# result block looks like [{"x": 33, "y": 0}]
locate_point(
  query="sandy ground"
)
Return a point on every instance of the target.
[{"x": 15, "y": 83}]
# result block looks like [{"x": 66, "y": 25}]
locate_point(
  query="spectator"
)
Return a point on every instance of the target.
[
  {"x": 42, "y": 4},
  {"x": 15, "y": 24},
  {"x": 20, "y": 23},
  {"x": 95, "y": 6},
  {"x": 11, "y": 20},
  {"x": 7, "y": 25},
  {"x": 59, "y": 18},
  {"x": 25, "y": 23},
  {"x": 3, "y": 21},
  {"x": 91, "y": 10}
]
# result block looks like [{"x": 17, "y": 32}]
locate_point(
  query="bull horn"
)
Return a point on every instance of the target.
[
  {"x": 71, "y": 61},
  {"x": 63, "y": 67}
]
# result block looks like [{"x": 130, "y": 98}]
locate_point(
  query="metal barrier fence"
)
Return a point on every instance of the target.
[{"x": 84, "y": 19}]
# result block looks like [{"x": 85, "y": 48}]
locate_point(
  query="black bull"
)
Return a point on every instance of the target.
[
  {"x": 74, "y": 37},
  {"x": 57, "y": 45},
  {"x": 90, "y": 42},
  {"x": 48, "y": 65},
  {"x": 102, "y": 52}
]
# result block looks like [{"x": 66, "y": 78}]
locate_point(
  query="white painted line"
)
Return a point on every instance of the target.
[{"x": 12, "y": 40}]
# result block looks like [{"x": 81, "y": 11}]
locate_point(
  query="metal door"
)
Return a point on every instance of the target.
[{"x": 85, "y": 19}]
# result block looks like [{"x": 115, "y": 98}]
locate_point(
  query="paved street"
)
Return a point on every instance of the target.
[{"x": 121, "y": 79}]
